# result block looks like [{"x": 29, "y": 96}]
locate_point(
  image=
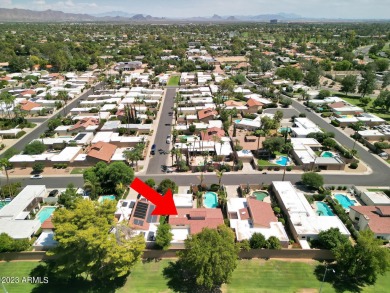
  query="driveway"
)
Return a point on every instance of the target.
[{"x": 287, "y": 112}]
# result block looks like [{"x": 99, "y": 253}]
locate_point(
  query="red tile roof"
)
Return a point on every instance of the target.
[
  {"x": 28, "y": 92},
  {"x": 378, "y": 217},
  {"x": 48, "y": 224},
  {"x": 337, "y": 105},
  {"x": 234, "y": 103},
  {"x": 209, "y": 133},
  {"x": 85, "y": 122},
  {"x": 252, "y": 102},
  {"x": 261, "y": 213},
  {"x": 244, "y": 214},
  {"x": 206, "y": 113},
  {"x": 102, "y": 151},
  {"x": 28, "y": 105},
  {"x": 197, "y": 219}
]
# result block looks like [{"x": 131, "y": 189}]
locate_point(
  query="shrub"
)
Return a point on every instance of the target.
[
  {"x": 335, "y": 123},
  {"x": 260, "y": 168},
  {"x": 353, "y": 165},
  {"x": 302, "y": 115},
  {"x": 210, "y": 168},
  {"x": 288, "y": 168},
  {"x": 277, "y": 168},
  {"x": 326, "y": 114},
  {"x": 214, "y": 187}
]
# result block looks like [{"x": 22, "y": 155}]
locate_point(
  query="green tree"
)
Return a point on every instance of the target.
[
  {"x": 285, "y": 102},
  {"x": 323, "y": 94},
  {"x": 386, "y": 80},
  {"x": 34, "y": 148},
  {"x": 165, "y": 185},
  {"x": 69, "y": 196},
  {"x": 312, "y": 77},
  {"x": 239, "y": 79},
  {"x": 87, "y": 248},
  {"x": 207, "y": 262},
  {"x": 5, "y": 164},
  {"x": 38, "y": 167},
  {"x": 329, "y": 143},
  {"x": 273, "y": 243},
  {"x": 273, "y": 144},
  {"x": 292, "y": 73},
  {"x": 361, "y": 264},
  {"x": 257, "y": 241},
  {"x": 164, "y": 236},
  {"x": 150, "y": 182},
  {"x": 367, "y": 84},
  {"x": 348, "y": 84},
  {"x": 382, "y": 64},
  {"x": 8, "y": 244},
  {"x": 312, "y": 179},
  {"x": 332, "y": 238},
  {"x": 383, "y": 100}
]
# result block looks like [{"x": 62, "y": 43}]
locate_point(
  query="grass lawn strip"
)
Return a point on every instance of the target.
[{"x": 174, "y": 80}]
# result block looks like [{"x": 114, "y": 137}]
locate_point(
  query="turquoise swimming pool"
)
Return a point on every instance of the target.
[
  {"x": 323, "y": 209},
  {"x": 344, "y": 201},
  {"x": 106, "y": 197},
  {"x": 3, "y": 203},
  {"x": 327, "y": 155},
  {"x": 45, "y": 213},
  {"x": 210, "y": 200},
  {"x": 260, "y": 195},
  {"x": 283, "y": 129},
  {"x": 283, "y": 161}
]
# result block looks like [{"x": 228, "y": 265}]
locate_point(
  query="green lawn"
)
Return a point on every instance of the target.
[
  {"x": 265, "y": 163},
  {"x": 379, "y": 112},
  {"x": 174, "y": 80},
  {"x": 254, "y": 275},
  {"x": 78, "y": 170}
]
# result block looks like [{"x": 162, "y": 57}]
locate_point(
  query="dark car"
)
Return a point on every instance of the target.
[
  {"x": 53, "y": 193},
  {"x": 153, "y": 149}
]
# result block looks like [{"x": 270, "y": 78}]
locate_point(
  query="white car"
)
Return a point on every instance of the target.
[
  {"x": 36, "y": 176},
  {"x": 168, "y": 140}
]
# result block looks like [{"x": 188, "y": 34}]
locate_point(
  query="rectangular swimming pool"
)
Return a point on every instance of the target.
[{"x": 45, "y": 213}]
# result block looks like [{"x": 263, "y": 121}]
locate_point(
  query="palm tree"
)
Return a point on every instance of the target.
[
  {"x": 287, "y": 148},
  {"x": 5, "y": 164},
  {"x": 63, "y": 96},
  {"x": 219, "y": 175}
]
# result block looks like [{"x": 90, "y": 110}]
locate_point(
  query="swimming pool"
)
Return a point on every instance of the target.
[
  {"x": 323, "y": 209},
  {"x": 3, "y": 203},
  {"x": 210, "y": 200},
  {"x": 45, "y": 213},
  {"x": 283, "y": 161},
  {"x": 260, "y": 195},
  {"x": 283, "y": 129},
  {"x": 106, "y": 197},
  {"x": 344, "y": 201},
  {"x": 327, "y": 155}
]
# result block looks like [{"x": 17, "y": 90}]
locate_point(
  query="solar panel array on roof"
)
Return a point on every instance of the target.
[
  {"x": 150, "y": 218},
  {"x": 140, "y": 210},
  {"x": 80, "y": 136},
  {"x": 138, "y": 222}
]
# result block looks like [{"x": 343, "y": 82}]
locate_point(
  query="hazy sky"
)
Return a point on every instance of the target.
[{"x": 185, "y": 8}]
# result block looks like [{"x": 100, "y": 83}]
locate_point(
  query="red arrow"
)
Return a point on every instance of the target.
[{"x": 164, "y": 204}]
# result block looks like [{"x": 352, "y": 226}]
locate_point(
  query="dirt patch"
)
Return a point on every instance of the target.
[
  {"x": 307, "y": 290},
  {"x": 231, "y": 59},
  {"x": 304, "y": 260}
]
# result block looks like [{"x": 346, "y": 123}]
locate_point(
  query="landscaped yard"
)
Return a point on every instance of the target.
[
  {"x": 377, "y": 111},
  {"x": 256, "y": 275},
  {"x": 78, "y": 170},
  {"x": 174, "y": 80},
  {"x": 265, "y": 163}
]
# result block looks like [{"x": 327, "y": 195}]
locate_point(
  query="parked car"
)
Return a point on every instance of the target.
[
  {"x": 36, "y": 176},
  {"x": 153, "y": 149},
  {"x": 168, "y": 139}
]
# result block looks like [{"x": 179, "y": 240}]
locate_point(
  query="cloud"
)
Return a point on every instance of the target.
[
  {"x": 39, "y": 2},
  {"x": 5, "y": 3}
]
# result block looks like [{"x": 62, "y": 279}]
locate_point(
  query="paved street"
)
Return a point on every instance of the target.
[
  {"x": 163, "y": 130},
  {"x": 41, "y": 128},
  {"x": 287, "y": 112}
]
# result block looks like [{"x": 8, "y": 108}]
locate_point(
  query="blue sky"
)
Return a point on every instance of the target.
[{"x": 186, "y": 8}]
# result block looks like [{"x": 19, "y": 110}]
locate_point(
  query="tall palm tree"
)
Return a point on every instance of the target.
[
  {"x": 219, "y": 175},
  {"x": 63, "y": 96},
  {"x": 288, "y": 147},
  {"x": 5, "y": 164}
]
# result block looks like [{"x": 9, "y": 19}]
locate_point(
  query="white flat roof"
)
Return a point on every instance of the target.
[
  {"x": 22, "y": 200},
  {"x": 183, "y": 200},
  {"x": 302, "y": 215},
  {"x": 180, "y": 234},
  {"x": 66, "y": 155},
  {"x": 19, "y": 229},
  {"x": 378, "y": 197}
]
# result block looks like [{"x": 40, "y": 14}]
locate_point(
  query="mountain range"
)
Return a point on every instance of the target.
[{"x": 25, "y": 15}]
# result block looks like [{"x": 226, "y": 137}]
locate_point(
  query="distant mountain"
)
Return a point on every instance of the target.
[
  {"x": 231, "y": 18},
  {"x": 114, "y": 14},
  {"x": 216, "y": 17},
  {"x": 41, "y": 16}
]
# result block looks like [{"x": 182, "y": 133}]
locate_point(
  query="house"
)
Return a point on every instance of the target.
[
  {"x": 375, "y": 198},
  {"x": 254, "y": 106},
  {"x": 129, "y": 65},
  {"x": 30, "y": 107},
  {"x": 212, "y": 133},
  {"x": 46, "y": 240},
  {"x": 233, "y": 104},
  {"x": 302, "y": 127},
  {"x": 305, "y": 224},
  {"x": 17, "y": 218},
  {"x": 205, "y": 115},
  {"x": 191, "y": 221},
  {"x": 101, "y": 151},
  {"x": 249, "y": 215},
  {"x": 85, "y": 124},
  {"x": 374, "y": 218}
]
